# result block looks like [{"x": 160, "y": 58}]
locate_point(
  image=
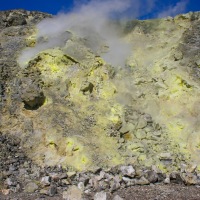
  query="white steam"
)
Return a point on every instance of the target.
[
  {"x": 92, "y": 22},
  {"x": 95, "y": 22},
  {"x": 89, "y": 21}
]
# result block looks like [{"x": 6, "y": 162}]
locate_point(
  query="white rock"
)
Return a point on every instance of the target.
[
  {"x": 73, "y": 193},
  {"x": 128, "y": 171},
  {"x": 45, "y": 180},
  {"x": 31, "y": 187},
  {"x": 167, "y": 180},
  {"x": 117, "y": 197},
  {"x": 198, "y": 62},
  {"x": 81, "y": 186},
  {"x": 100, "y": 196}
]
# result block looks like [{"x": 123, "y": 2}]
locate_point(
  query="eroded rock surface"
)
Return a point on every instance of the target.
[{"x": 69, "y": 107}]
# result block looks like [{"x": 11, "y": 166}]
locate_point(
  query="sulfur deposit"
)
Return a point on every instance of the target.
[{"x": 69, "y": 106}]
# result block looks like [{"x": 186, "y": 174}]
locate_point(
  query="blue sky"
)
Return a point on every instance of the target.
[{"x": 156, "y": 8}]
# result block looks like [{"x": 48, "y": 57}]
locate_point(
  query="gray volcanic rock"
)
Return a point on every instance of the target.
[
  {"x": 73, "y": 109},
  {"x": 20, "y": 17}
]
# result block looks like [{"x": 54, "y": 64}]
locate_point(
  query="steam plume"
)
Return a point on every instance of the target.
[{"x": 90, "y": 20}]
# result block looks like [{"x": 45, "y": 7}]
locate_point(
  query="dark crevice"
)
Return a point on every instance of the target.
[{"x": 34, "y": 104}]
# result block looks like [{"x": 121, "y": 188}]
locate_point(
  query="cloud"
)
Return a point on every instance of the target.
[{"x": 180, "y": 7}]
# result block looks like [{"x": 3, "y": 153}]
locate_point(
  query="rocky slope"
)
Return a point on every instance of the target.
[{"x": 67, "y": 107}]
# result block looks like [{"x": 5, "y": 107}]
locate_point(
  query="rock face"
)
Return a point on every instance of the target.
[{"x": 69, "y": 107}]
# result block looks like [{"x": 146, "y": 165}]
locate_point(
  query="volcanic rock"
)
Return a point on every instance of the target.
[{"x": 65, "y": 105}]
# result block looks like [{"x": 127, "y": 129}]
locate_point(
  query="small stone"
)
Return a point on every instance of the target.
[
  {"x": 128, "y": 171},
  {"x": 71, "y": 174},
  {"x": 101, "y": 196},
  {"x": 161, "y": 177},
  {"x": 103, "y": 185},
  {"x": 94, "y": 183},
  {"x": 81, "y": 186},
  {"x": 189, "y": 178},
  {"x": 44, "y": 191},
  {"x": 139, "y": 173},
  {"x": 178, "y": 55},
  {"x": 63, "y": 176},
  {"x": 157, "y": 133},
  {"x": 121, "y": 140},
  {"x": 165, "y": 156},
  {"x": 124, "y": 129},
  {"x": 151, "y": 176},
  {"x": 142, "y": 181},
  {"x": 45, "y": 181},
  {"x": 12, "y": 168},
  {"x": 198, "y": 62},
  {"x": 101, "y": 176},
  {"x": 167, "y": 180},
  {"x": 54, "y": 176},
  {"x": 142, "y": 123},
  {"x": 175, "y": 178},
  {"x": 191, "y": 168},
  {"x": 114, "y": 186},
  {"x": 10, "y": 182},
  {"x": 31, "y": 187},
  {"x": 128, "y": 181},
  {"x": 22, "y": 172},
  {"x": 88, "y": 191},
  {"x": 96, "y": 170},
  {"x": 52, "y": 191},
  {"x": 108, "y": 176},
  {"x": 148, "y": 118},
  {"x": 65, "y": 182},
  {"x": 117, "y": 197},
  {"x": 73, "y": 193},
  {"x": 155, "y": 169},
  {"x": 140, "y": 134},
  {"x": 183, "y": 167},
  {"x": 117, "y": 179},
  {"x": 5, "y": 191}
]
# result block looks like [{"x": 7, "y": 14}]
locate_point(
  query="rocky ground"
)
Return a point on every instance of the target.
[
  {"x": 22, "y": 179},
  {"x": 55, "y": 141},
  {"x": 156, "y": 192}
]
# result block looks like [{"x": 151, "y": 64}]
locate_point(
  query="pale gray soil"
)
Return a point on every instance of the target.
[
  {"x": 160, "y": 192},
  {"x": 152, "y": 192}
]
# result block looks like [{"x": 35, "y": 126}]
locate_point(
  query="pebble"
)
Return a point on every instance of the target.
[
  {"x": 128, "y": 171},
  {"x": 44, "y": 192},
  {"x": 128, "y": 181},
  {"x": 10, "y": 182},
  {"x": 52, "y": 191},
  {"x": 101, "y": 196},
  {"x": 189, "y": 178},
  {"x": 117, "y": 197},
  {"x": 71, "y": 174},
  {"x": 73, "y": 193},
  {"x": 31, "y": 187},
  {"x": 45, "y": 181},
  {"x": 165, "y": 156},
  {"x": 142, "y": 181},
  {"x": 151, "y": 176},
  {"x": 81, "y": 186},
  {"x": 142, "y": 123},
  {"x": 176, "y": 178},
  {"x": 167, "y": 180},
  {"x": 191, "y": 168},
  {"x": 114, "y": 186}
]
